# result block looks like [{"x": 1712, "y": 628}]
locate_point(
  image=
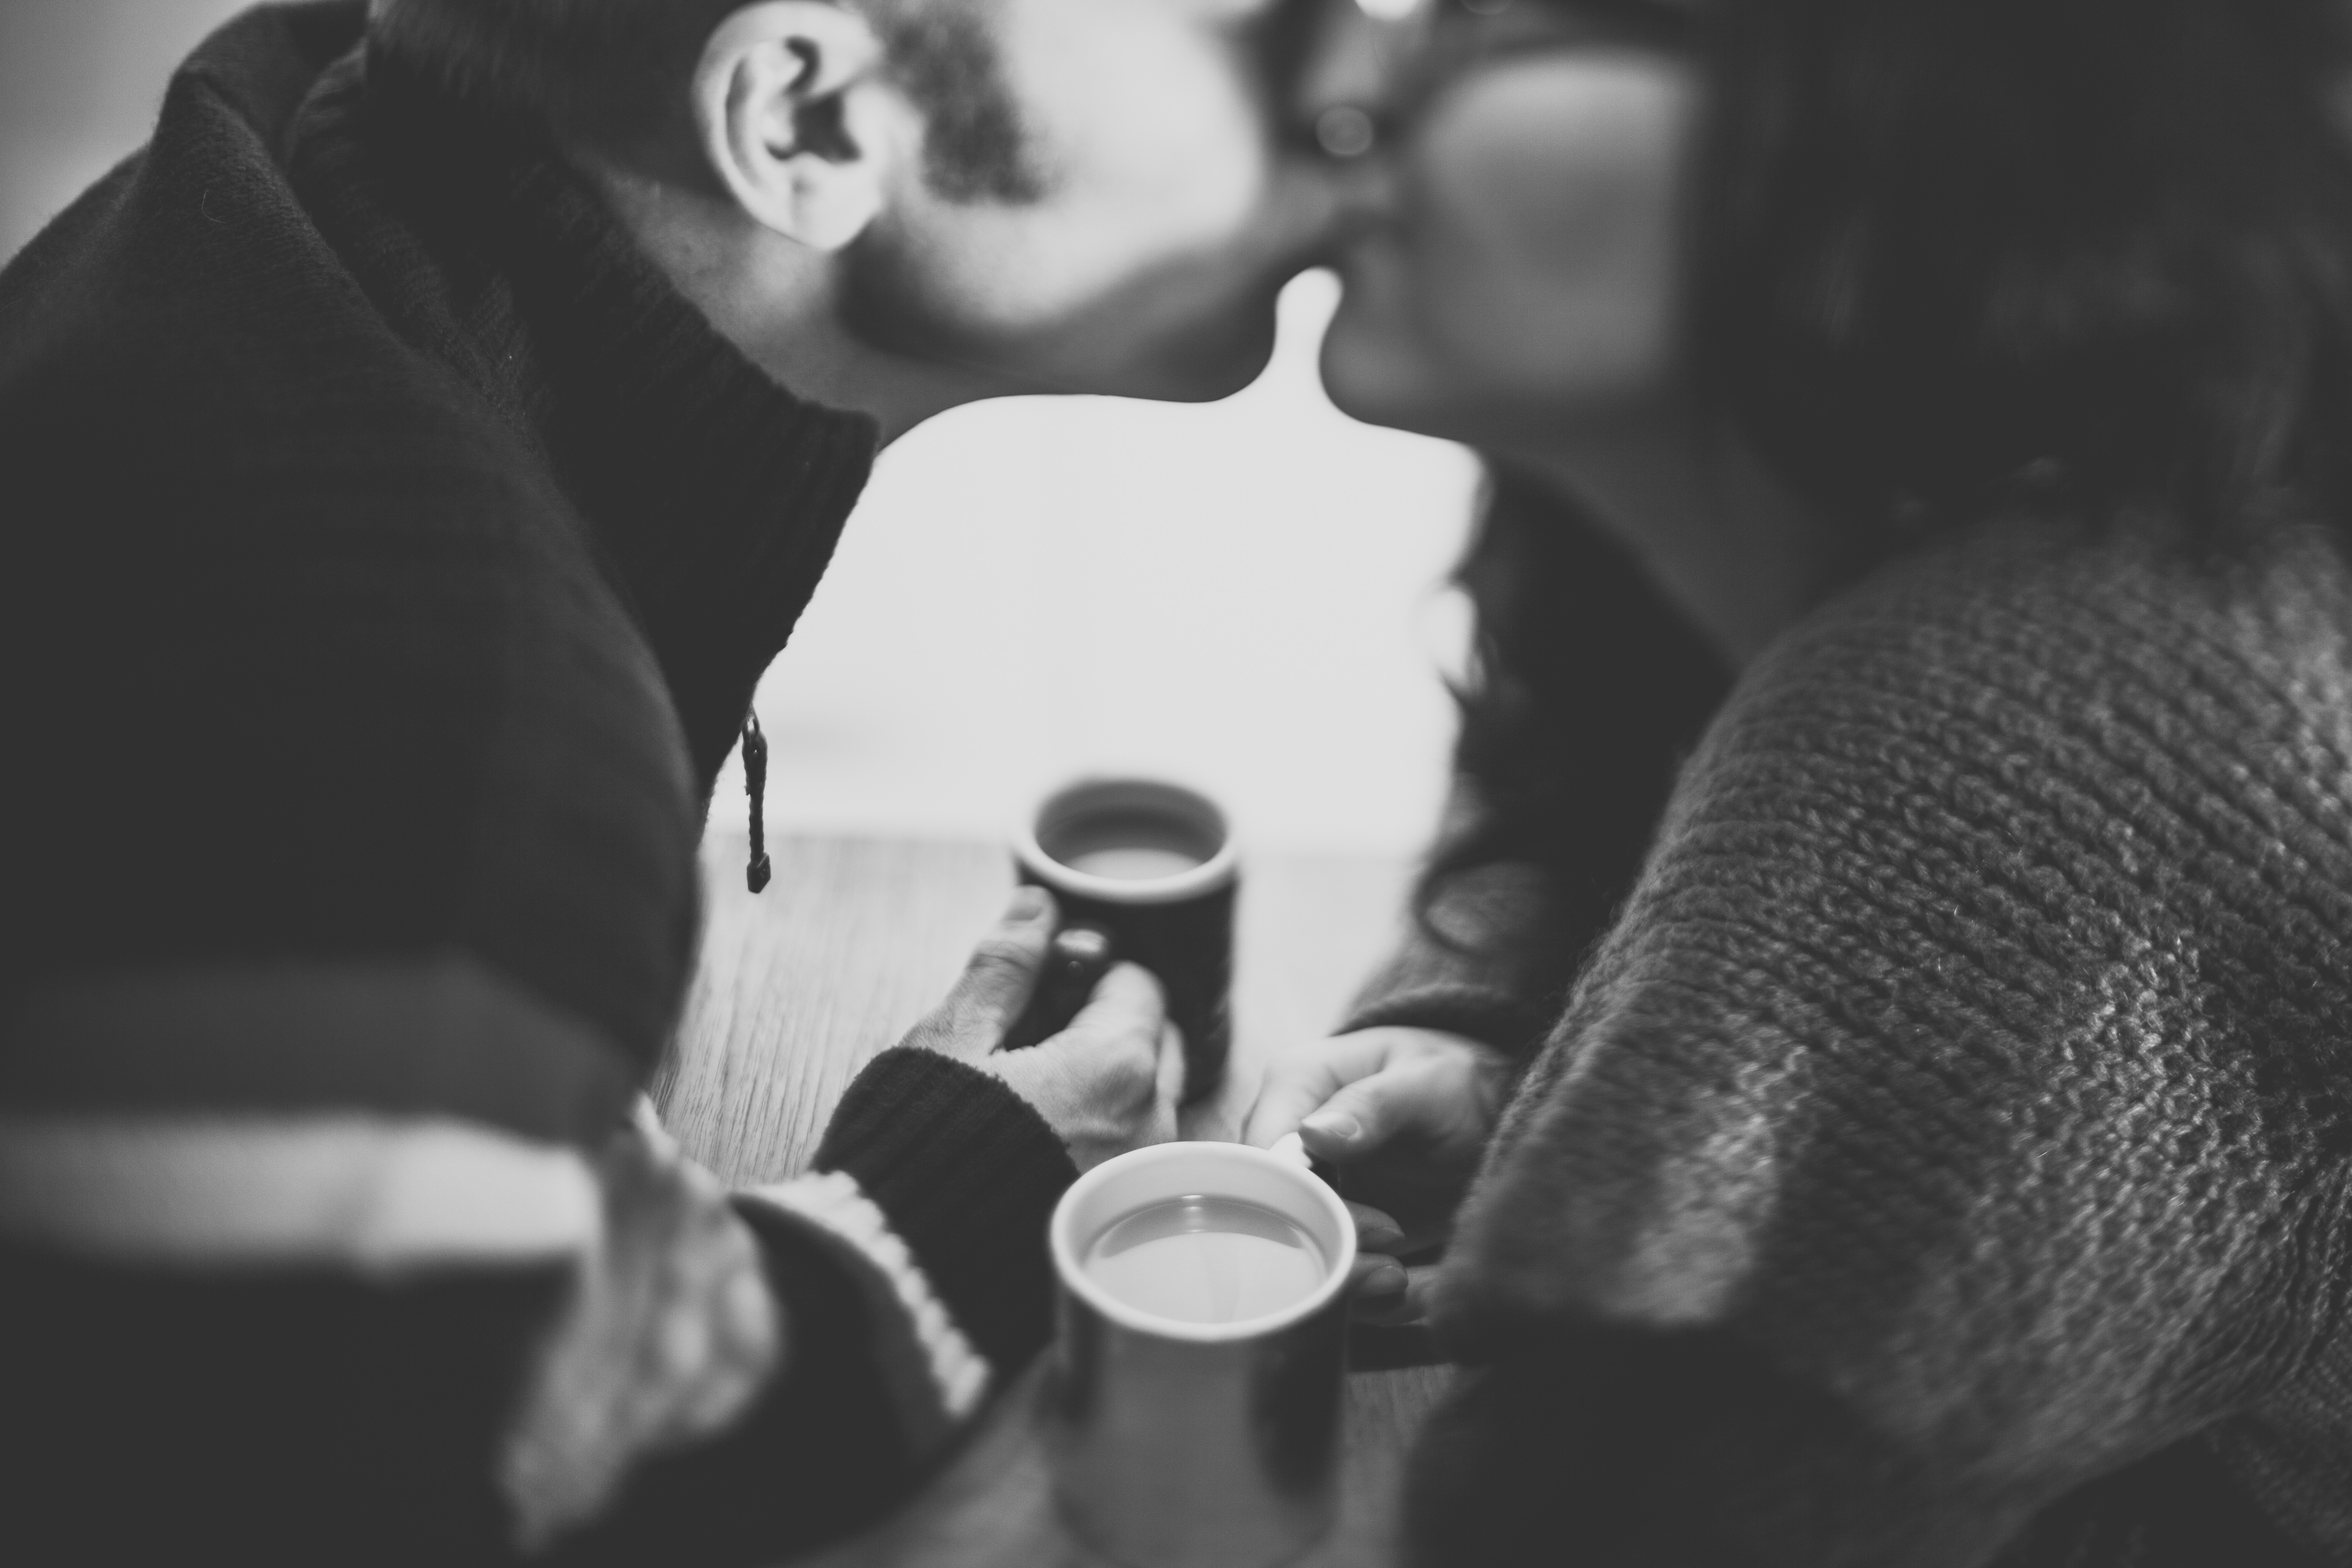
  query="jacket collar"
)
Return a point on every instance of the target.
[{"x": 714, "y": 497}]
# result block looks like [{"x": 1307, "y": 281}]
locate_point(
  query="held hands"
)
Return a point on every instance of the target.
[
  {"x": 1405, "y": 1114},
  {"x": 1108, "y": 1083}
]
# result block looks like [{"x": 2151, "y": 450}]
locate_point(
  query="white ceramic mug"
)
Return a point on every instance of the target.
[{"x": 1198, "y": 1444}]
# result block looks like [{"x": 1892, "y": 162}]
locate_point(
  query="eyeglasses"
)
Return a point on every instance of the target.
[
  {"x": 1458, "y": 32},
  {"x": 1441, "y": 39}
]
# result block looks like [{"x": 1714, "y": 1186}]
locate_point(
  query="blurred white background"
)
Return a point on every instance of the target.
[{"x": 1246, "y": 594}]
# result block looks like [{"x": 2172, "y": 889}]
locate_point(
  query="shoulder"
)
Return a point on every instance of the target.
[
  {"x": 2052, "y": 648},
  {"x": 2023, "y": 782},
  {"x": 317, "y": 657},
  {"x": 2028, "y": 803},
  {"x": 2083, "y": 604},
  {"x": 1995, "y": 939}
]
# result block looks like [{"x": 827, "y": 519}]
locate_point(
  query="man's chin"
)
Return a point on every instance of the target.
[
  {"x": 1166, "y": 340},
  {"x": 1203, "y": 363},
  {"x": 1129, "y": 349}
]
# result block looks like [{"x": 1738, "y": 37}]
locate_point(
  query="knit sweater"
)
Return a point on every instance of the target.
[
  {"x": 390, "y": 557},
  {"x": 1942, "y": 1156}
]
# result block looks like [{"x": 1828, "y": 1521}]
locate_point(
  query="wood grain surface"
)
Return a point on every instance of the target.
[{"x": 855, "y": 940}]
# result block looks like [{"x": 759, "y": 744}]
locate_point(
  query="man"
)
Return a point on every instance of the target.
[{"x": 412, "y": 460}]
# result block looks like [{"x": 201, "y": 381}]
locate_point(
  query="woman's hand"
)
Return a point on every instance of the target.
[
  {"x": 1405, "y": 1113},
  {"x": 1108, "y": 1083}
]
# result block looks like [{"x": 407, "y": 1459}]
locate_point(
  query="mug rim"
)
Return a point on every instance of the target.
[
  {"x": 1074, "y": 1279},
  {"x": 1217, "y": 871}
]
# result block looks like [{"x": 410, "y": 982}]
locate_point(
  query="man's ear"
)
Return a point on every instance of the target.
[{"x": 786, "y": 105}]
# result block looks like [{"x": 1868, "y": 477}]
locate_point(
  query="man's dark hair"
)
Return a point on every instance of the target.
[{"x": 613, "y": 74}]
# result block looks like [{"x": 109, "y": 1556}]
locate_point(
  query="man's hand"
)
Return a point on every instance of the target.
[
  {"x": 1406, "y": 1113},
  {"x": 1108, "y": 1083},
  {"x": 668, "y": 1335}
]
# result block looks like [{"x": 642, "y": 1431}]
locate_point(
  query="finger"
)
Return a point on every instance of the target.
[
  {"x": 1378, "y": 1286},
  {"x": 1128, "y": 1003},
  {"x": 1375, "y": 1231},
  {"x": 1361, "y": 1116},
  {"x": 1299, "y": 1080},
  {"x": 736, "y": 1324},
  {"x": 1421, "y": 1290},
  {"x": 995, "y": 986},
  {"x": 1171, "y": 1064},
  {"x": 1385, "y": 1311},
  {"x": 1114, "y": 1053},
  {"x": 1393, "y": 1296}
]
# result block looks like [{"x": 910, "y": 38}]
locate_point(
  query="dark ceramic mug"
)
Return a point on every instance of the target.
[{"x": 1153, "y": 867}]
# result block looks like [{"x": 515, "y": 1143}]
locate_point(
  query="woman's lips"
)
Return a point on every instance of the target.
[{"x": 1371, "y": 245}]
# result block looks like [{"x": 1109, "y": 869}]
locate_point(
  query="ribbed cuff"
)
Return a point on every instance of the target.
[{"x": 968, "y": 1175}]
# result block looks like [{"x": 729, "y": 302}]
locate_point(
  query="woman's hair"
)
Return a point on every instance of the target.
[
  {"x": 1566, "y": 771},
  {"x": 1940, "y": 245},
  {"x": 1952, "y": 254}
]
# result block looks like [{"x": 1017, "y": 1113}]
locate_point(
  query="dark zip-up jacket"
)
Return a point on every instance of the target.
[{"x": 387, "y": 557}]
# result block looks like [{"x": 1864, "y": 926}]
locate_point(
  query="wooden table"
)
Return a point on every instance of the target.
[{"x": 858, "y": 938}]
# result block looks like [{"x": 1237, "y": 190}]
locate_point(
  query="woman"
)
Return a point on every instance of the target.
[{"x": 1895, "y": 922}]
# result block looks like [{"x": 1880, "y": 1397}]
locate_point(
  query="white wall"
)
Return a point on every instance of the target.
[
  {"x": 80, "y": 81},
  {"x": 1244, "y": 594},
  {"x": 1240, "y": 593}
]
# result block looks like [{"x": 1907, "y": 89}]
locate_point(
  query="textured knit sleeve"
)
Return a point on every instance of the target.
[
  {"x": 350, "y": 831},
  {"x": 1945, "y": 1153},
  {"x": 1590, "y": 689}
]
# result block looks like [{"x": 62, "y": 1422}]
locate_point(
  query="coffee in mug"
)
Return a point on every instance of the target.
[
  {"x": 1153, "y": 867},
  {"x": 1200, "y": 1258}
]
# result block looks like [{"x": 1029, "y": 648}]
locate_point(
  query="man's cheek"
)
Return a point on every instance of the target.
[{"x": 1156, "y": 143}]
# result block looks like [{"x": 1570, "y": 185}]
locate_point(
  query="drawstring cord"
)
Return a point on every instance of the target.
[{"x": 755, "y": 784}]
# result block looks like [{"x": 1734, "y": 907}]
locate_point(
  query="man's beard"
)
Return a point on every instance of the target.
[
  {"x": 1202, "y": 344},
  {"x": 891, "y": 300},
  {"x": 976, "y": 144}
]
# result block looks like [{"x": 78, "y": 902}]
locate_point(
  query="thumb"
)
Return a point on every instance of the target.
[
  {"x": 1302, "y": 1080},
  {"x": 1126, "y": 1003},
  {"x": 995, "y": 986},
  {"x": 1359, "y": 1118}
]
